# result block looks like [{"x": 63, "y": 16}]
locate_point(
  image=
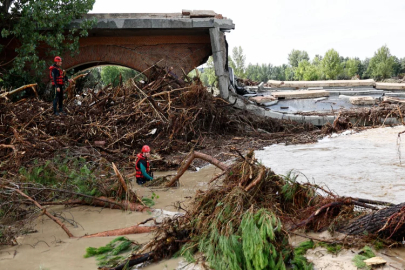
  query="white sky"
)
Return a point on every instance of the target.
[{"x": 268, "y": 30}]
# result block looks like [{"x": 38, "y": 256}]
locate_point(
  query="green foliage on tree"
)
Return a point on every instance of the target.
[
  {"x": 402, "y": 61},
  {"x": 208, "y": 74},
  {"x": 382, "y": 64},
  {"x": 111, "y": 74},
  {"x": 397, "y": 68},
  {"x": 238, "y": 62},
  {"x": 279, "y": 73},
  {"x": 259, "y": 73},
  {"x": 289, "y": 73},
  {"x": 331, "y": 65},
  {"x": 39, "y": 23},
  {"x": 296, "y": 56},
  {"x": 363, "y": 67},
  {"x": 306, "y": 71},
  {"x": 352, "y": 67}
]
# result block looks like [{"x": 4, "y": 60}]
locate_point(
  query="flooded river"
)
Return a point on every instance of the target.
[{"x": 364, "y": 164}]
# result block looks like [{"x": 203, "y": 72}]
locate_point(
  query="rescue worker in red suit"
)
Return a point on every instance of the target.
[
  {"x": 58, "y": 81},
  {"x": 142, "y": 166}
]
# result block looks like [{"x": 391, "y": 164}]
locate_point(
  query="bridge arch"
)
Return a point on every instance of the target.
[{"x": 139, "y": 55}]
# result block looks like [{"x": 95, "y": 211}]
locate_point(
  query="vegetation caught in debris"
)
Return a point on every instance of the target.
[
  {"x": 113, "y": 253},
  {"x": 245, "y": 215},
  {"x": 358, "y": 260}
]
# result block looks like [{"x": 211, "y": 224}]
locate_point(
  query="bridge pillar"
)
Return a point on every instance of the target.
[{"x": 219, "y": 53}]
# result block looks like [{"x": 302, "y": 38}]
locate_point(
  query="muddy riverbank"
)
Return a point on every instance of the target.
[{"x": 349, "y": 165}]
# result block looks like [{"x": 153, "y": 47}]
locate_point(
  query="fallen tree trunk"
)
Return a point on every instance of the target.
[
  {"x": 124, "y": 231},
  {"x": 188, "y": 162},
  {"x": 55, "y": 219},
  {"x": 32, "y": 86},
  {"x": 97, "y": 201},
  {"x": 387, "y": 222},
  {"x": 132, "y": 196},
  {"x": 319, "y": 211},
  {"x": 108, "y": 203}
]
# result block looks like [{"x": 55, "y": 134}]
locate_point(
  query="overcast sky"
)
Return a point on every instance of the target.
[{"x": 268, "y": 30}]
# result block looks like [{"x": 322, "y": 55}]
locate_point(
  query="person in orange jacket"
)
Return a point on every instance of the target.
[
  {"x": 142, "y": 166},
  {"x": 58, "y": 79}
]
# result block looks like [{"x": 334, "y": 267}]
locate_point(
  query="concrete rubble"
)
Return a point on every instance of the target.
[
  {"x": 375, "y": 261},
  {"x": 262, "y": 99},
  {"x": 301, "y": 94},
  {"x": 362, "y": 100}
]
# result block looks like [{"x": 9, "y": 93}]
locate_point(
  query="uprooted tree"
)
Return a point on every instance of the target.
[{"x": 244, "y": 221}]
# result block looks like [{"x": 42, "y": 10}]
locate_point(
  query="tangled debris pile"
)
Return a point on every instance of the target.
[
  {"x": 173, "y": 115},
  {"x": 67, "y": 181},
  {"x": 47, "y": 157},
  {"x": 167, "y": 113},
  {"x": 244, "y": 221}
]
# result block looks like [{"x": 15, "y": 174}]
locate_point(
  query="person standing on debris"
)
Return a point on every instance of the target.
[
  {"x": 142, "y": 166},
  {"x": 58, "y": 79}
]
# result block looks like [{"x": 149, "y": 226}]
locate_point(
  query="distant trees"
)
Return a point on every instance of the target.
[
  {"x": 352, "y": 67},
  {"x": 330, "y": 66},
  {"x": 238, "y": 62},
  {"x": 208, "y": 73},
  {"x": 111, "y": 74},
  {"x": 307, "y": 71},
  {"x": 296, "y": 56},
  {"x": 382, "y": 64}
]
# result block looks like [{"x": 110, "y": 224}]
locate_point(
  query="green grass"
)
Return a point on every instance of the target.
[{"x": 358, "y": 260}]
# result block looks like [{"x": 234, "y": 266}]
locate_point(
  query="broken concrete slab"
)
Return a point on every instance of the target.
[
  {"x": 320, "y": 99},
  {"x": 362, "y": 100},
  {"x": 375, "y": 261},
  {"x": 262, "y": 99},
  {"x": 331, "y": 83},
  {"x": 390, "y": 86},
  {"x": 395, "y": 94},
  {"x": 271, "y": 103},
  {"x": 394, "y": 100},
  {"x": 202, "y": 13},
  {"x": 260, "y": 87},
  {"x": 300, "y": 94}
]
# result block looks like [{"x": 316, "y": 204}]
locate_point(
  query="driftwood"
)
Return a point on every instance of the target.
[
  {"x": 124, "y": 231},
  {"x": 319, "y": 211},
  {"x": 108, "y": 203},
  {"x": 192, "y": 155},
  {"x": 95, "y": 201},
  {"x": 55, "y": 219},
  {"x": 71, "y": 87},
  {"x": 32, "y": 86},
  {"x": 134, "y": 260},
  {"x": 388, "y": 222},
  {"x": 131, "y": 194}
]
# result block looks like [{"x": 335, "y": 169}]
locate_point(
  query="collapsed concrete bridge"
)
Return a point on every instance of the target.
[{"x": 138, "y": 41}]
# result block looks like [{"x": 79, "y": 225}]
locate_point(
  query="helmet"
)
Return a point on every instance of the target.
[
  {"x": 145, "y": 149},
  {"x": 57, "y": 59}
]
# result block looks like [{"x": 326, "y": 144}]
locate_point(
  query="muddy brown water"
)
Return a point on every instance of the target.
[
  {"x": 51, "y": 249},
  {"x": 365, "y": 164}
]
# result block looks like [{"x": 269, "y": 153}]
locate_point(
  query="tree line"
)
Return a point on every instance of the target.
[{"x": 300, "y": 67}]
